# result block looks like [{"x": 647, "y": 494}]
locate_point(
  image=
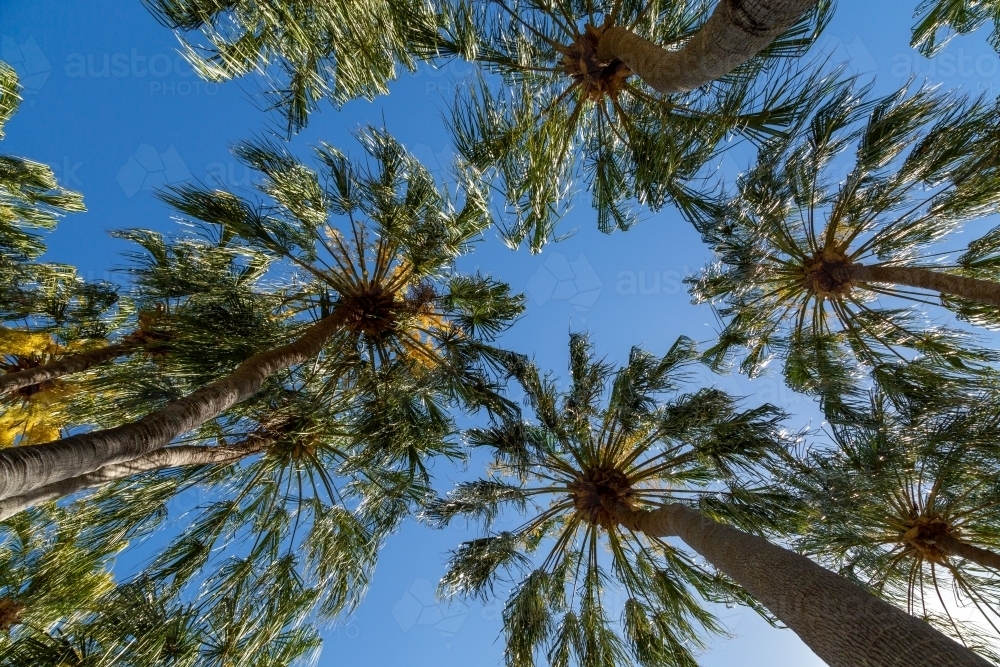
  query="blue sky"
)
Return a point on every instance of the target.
[{"x": 115, "y": 110}]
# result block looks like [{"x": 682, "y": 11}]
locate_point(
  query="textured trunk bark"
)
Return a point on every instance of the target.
[
  {"x": 983, "y": 291},
  {"x": 968, "y": 551},
  {"x": 26, "y": 469},
  {"x": 167, "y": 457},
  {"x": 736, "y": 32},
  {"x": 842, "y": 623},
  {"x": 73, "y": 363}
]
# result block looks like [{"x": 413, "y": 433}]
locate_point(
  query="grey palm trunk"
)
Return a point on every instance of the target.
[
  {"x": 973, "y": 289},
  {"x": 842, "y": 623},
  {"x": 970, "y": 552},
  {"x": 24, "y": 470},
  {"x": 167, "y": 457},
  {"x": 735, "y": 32},
  {"x": 67, "y": 365}
]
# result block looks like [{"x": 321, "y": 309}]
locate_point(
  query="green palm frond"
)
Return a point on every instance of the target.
[
  {"x": 30, "y": 197},
  {"x": 940, "y": 20},
  {"x": 309, "y": 51}
]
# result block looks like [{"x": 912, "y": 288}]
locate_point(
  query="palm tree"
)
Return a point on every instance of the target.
[
  {"x": 309, "y": 50},
  {"x": 682, "y": 445},
  {"x": 906, "y": 505},
  {"x": 571, "y": 104},
  {"x": 624, "y": 477},
  {"x": 804, "y": 256},
  {"x": 380, "y": 291},
  {"x": 30, "y": 198},
  {"x": 952, "y": 16}
]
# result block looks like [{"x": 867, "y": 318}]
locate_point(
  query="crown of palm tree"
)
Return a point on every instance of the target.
[
  {"x": 952, "y": 17},
  {"x": 310, "y": 50},
  {"x": 897, "y": 485},
  {"x": 789, "y": 240},
  {"x": 378, "y": 242},
  {"x": 638, "y": 451},
  {"x": 562, "y": 110}
]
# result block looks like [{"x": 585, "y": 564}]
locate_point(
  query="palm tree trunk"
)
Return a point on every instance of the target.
[
  {"x": 167, "y": 457},
  {"x": 73, "y": 363},
  {"x": 736, "y": 32},
  {"x": 977, "y": 555},
  {"x": 841, "y": 622},
  {"x": 26, "y": 469},
  {"x": 983, "y": 291}
]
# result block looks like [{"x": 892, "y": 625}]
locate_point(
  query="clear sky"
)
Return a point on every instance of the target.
[{"x": 113, "y": 108}]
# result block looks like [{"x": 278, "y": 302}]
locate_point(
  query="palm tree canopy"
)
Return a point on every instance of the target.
[
  {"x": 924, "y": 164},
  {"x": 894, "y": 485},
  {"x": 140, "y": 625},
  {"x": 311, "y": 50},
  {"x": 629, "y": 433},
  {"x": 50, "y": 569},
  {"x": 552, "y": 121},
  {"x": 378, "y": 240}
]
